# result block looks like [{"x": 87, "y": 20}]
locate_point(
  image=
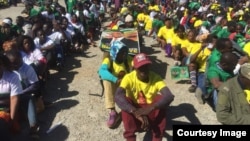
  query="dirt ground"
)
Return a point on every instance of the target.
[{"x": 79, "y": 108}]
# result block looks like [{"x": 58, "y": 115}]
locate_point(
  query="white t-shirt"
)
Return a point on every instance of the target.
[
  {"x": 68, "y": 35},
  {"x": 70, "y": 29},
  {"x": 94, "y": 10},
  {"x": 10, "y": 84},
  {"x": 27, "y": 75},
  {"x": 33, "y": 57},
  {"x": 56, "y": 37},
  {"x": 48, "y": 42},
  {"x": 79, "y": 27},
  {"x": 68, "y": 16},
  {"x": 86, "y": 13},
  {"x": 27, "y": 27},
  {"x": 46, "y": 15}
]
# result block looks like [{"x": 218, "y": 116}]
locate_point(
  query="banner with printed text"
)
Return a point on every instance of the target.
[{"x": 128, "y": 36}]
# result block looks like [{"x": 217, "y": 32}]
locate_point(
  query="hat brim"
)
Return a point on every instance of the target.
[{"x": 143, "y": 63}]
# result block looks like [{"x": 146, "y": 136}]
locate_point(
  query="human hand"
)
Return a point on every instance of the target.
[
  {"x": 144, "y": 122},
  {"x": 143, "y": 111},
  {"x": 243, "y": 60},
  {"x": 118, "y": 82},
  {"x": 204, "y": 45}
]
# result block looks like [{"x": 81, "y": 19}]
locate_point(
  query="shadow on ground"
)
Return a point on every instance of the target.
[
  {"x": 183, "y": 110},
  {"x": 56, "y": 89},
  {"x": 46, "y": 119},
  {"x": 158, "y": 65}
]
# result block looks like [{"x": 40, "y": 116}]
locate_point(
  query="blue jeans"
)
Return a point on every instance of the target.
[
  {"x": 202, "y": 83},
  {"x": 59, "y": 54},
  {"x": 215, "y": 97},
  {"x": 27, "y": 104}
]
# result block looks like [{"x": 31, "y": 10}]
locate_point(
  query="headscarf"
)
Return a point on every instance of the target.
[{"x": 115, "y": 47}]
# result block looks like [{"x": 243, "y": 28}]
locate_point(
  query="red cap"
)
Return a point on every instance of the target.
[{"x": 140, "y": 60}]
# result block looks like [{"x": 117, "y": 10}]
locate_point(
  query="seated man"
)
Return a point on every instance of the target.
[
  {"x": 10, "y": 89},
  {"x": 143, "y": 97},
  {"x": 233, "y": 107},
  {"x": 220, "y": 73},
  {"x": 30, "y": 85}
]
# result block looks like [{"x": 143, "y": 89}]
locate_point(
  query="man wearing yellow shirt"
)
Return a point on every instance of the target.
[
  {"x": 178, "y": 40},
  {"x": 246, "y": 48},
  {"x": 165, "y": 36},
  {"x": 200, "y": 60},
  {"x": 148, "y": 25},
  {"x": 143, "y": 97},
  {"x": 190, "y": 47},
  {"x": 153, "y": 7}
]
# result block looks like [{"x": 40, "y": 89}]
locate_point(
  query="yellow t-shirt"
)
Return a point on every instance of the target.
[
  {"x": 134, "y": 86},
  {"x": 191, "y": 47},
  {"x": 178, "y": 41},
  {"x": 247, "y": 92},
  {"x": 167, "y": 34},
  {"x": 117, "y": 68},
  {"x": 246, "y": 48},
  {"x": 141, "y": 17},
  {"x": 148, "y": 23},
  {"x": 201, "y": 59},
  {"x": 154, "y": 8},
  {"x": 123, "y": 10}
]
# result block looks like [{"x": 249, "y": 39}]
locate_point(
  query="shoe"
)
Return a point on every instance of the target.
[
  {"x": 47, "y": 104},
  {"x": 199, "y": 96},
  {"x": 112, "y": 119},
  {"x": 34, "y": 132},
  {"x": 59, "y": 66},
  {"x": 192, "y": 89}
]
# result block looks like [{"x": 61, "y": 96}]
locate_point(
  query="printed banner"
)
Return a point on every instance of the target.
[
  {"x": 128, "y": 36},
  {"x": 179, "y": 72}
]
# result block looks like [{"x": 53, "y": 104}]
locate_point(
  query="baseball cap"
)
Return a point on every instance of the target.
[
  {"x": 210, "y": 15},
  {"x": 7, "y": 21},
  {"x": 198, "y": 23},
  {"x": 218, "y": 19},
  {"x": 128, "y": 18},
  {"x": 245, "y": 70},
  {"x": 141, "y": 59}
]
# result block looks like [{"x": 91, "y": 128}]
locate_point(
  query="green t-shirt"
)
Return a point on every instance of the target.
[
  {"x": 243, "y": 23},
  {"x": 214, "y": 58},
  {"x": 216, "y": 29},
  {"x": 194, "y": 5},
  {"x": 157, "y": 24},
  {"x": 216, "y": 71},
  {"x": 33, "y": 12},
  {"x": 18, "y": 29},
  {"x": 207, "y": 24},
  {"x": 223, "y": 33},
  {"x": 70, "y": 4}
]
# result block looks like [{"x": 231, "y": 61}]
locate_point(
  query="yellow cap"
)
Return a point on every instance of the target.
[{"x": 198, "y": 23}]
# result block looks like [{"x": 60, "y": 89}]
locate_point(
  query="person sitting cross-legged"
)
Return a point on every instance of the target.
[{"x": 143, "y": 98}]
